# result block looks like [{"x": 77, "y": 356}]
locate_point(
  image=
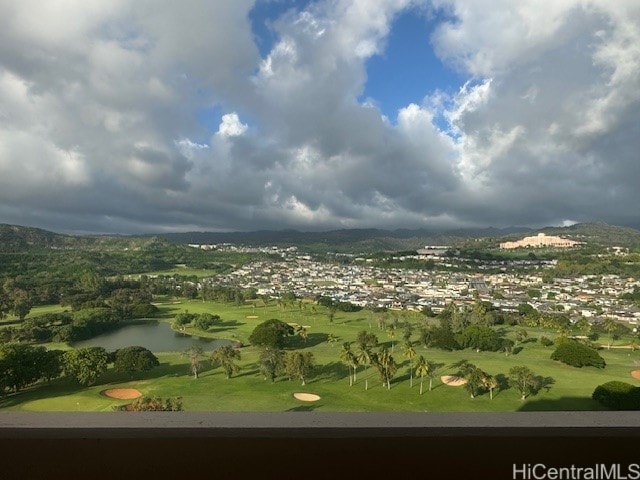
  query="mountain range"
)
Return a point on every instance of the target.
[{"x": 17, "y": 238}]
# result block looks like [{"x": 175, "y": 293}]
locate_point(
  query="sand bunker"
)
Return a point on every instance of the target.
[
  {"x": 636, "y": 374},
  {"x": 453, "y": 380},
  {"x": 122, "y": 393},
  {"x": 307, "y": 397},
  {"x": 251, "y": 316}
]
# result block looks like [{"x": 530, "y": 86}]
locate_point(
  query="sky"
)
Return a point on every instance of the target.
[{"x": 142, "y": 116}]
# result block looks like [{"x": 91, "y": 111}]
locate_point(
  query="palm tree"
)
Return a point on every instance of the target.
[
  {"x": 332, "y": 313},
  {"x": 521, "y": 335},
  {"x": 194, "y": 353},
  {"x": 347, "y": 356},
  {"x": 387, "y": 366},
  {"x": 303, "y": 333},
  {"x": 391, "y": 333},
  {"x": 410, "y": 353},
  {"x": 331, "y": 338},
  {"x": 432, "y": 371},
  {"x": 364, "y": 358},
  {"x": 422, "y": 369},
  {"x": 225, "y": 356},
  {"x": 584, "y": 326},
  {"x": 474, "y": 377},
  {"x": 490, "y": 382},
  {"x": 610, "y": 326}
]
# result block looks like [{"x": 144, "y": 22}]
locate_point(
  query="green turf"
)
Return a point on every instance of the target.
[
  {"x": 39, "y": 310},
  {"x": 178, "y": 270},
  {"x": 248, "y": 391}
]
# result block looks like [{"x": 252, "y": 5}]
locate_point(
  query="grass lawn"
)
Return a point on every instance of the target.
[
  {"x": 35, "y": 311},
  {"x": 177, "y": 270},
  {"x": 569, "y": 388}
]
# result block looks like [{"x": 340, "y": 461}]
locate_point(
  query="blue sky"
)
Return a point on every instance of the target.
[
  {"x": 314, "y": 115},
  {"x": 408, "y": 70},
  {"x": 405, "y": 72}
]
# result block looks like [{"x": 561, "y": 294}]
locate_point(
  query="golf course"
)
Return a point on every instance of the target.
[{"x": 329, "y": 385}]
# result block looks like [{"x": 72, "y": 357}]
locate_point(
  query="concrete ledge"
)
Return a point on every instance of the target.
[{"x": 312, "y": 424}]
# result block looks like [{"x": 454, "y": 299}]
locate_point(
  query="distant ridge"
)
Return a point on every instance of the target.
[
  {"x": 15, "y": 238},
  {"x": 370, "y": 238}
]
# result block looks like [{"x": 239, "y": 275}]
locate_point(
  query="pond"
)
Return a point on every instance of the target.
[{"x": 155, "y": 336}]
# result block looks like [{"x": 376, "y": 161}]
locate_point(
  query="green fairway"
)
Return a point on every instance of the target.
[
  {"x": 39, "y": 310},
  {"x": 567, "y": 388},
  {"x": 178, "y": 270}
]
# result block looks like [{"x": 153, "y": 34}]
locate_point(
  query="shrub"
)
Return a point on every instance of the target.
[
  {"x": 348, "y": 307},
  {"x": 545, "y": 341},
  {"x": 577, "y": 355},
  {"x": 617, "y": 395},
  {"x": 205, "y": 321},
  {"x": 153, "y": 404}
]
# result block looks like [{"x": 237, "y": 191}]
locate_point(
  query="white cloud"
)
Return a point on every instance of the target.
[
  {"x": 100, "y": 105},
  {"x": 231, "y": 126}
]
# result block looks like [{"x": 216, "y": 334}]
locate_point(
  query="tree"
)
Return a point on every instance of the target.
[
  {"x": 364, "y": 358},
  {"x": 298, "y": 364},
  {"x": 332, "y": 339},
  {"x": 584, "y": 326},
  {"x": 347, "y": 356},
  {"x": 331, "y": 313},
  {"x": 474, "y": 376},
  {"x": 14, "y": 300},
  {"x": 506, "y": 346},
  {"x": 407, "y": 332},
  {"x": 610, "y": 326},
  {"x": 303, "y": 333},
  {"x": 479, "y": 337},
  {"x": 271, "y": 362},
  {"x": 20, "y": 303},
  {"x": 391, "y": 333},
  {"x": 224, "y": 357},
  {"x": 22, "y": 365},
  {"x": 271, "y": 333},
  {"x": 432, "y": 371},
  {"x": 386, "y": 366},
  {"x": 366, "y": 339},
  {"x": 523, "y": 380},
  {"x": 182, "y": 319},
  {"x": 521, "y": 335},
  {"x": 131, "y": 360},
  {"x": 490, "y": 382},
  {"x": 50, "y": 363},
  {"x": 194, "y": 354},
  {"x": 85, "y": 365},
  {"x": 410, "y": 353},
  {"x": 205, "y": 321},
  {"x": 422, "y": 369}
]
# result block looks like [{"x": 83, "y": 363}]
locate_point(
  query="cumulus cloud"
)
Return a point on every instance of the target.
[
  {"x": 100, "y": 105},
  {"x": 231, "y": 126}
]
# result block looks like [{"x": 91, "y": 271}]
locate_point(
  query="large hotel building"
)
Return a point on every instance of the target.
[{"x": 540, "y": 240}]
